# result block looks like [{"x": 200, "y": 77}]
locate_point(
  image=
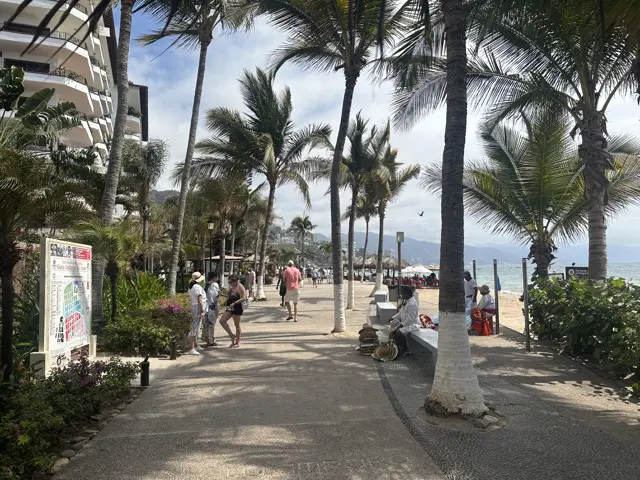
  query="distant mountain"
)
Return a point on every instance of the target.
[
  {"x": 160, "y": 196},
  {"x": 419, "y": 251}
]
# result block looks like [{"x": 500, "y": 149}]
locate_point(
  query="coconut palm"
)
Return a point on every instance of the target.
[
  {"x": 530, "y": 185},
  {"x": 263, "y": 141},
  {"x": 250, "y": 201},
  {"x": 301, "y": 226},
  {"x": 116, "y": 244},
  {"x": 366, "y": 209},
  {"x": 30, "y": 198},
  {"x": 193, "y": 27},
  {"x": 332, "y": 36},
  {"x": 143, "y": 165},
  {"x": 532, "y": 65}
]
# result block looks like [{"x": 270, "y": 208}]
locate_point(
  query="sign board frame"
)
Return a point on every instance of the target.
[
  {"x": 573, "y": 271},
  {"x": 71, "y": 334}
]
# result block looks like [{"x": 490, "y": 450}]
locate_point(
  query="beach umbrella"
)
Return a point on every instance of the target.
[{"x": 416, "y": 269}]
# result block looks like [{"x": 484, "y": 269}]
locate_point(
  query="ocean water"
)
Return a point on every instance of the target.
[{"x": 511, "y": 274}]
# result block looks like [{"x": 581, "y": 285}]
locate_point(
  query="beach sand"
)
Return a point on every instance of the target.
[{"x": 510, "y": 307}]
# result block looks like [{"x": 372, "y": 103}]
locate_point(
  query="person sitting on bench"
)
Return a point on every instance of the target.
[{"x": 406, "y": 320}]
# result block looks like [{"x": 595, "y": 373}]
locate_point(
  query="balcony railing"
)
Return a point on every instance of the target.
[
  {"x": 94, "y": 61},
  {"x": 31, "y": 30},
  {"x": 79, "y": 6},
  {"x": 43, "y": 69}
]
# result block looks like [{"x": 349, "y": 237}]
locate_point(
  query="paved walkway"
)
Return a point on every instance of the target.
[{"x": 291, "y": 403}]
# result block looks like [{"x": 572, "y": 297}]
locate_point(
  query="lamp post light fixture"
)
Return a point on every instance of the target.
[{"x": 210, "y": 226}]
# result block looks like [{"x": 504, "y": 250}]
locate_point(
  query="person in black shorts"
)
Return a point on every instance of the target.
[{"x": 236, "y": 296}]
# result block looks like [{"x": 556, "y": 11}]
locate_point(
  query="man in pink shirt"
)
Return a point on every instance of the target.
[{"x": 292, "y": 279}]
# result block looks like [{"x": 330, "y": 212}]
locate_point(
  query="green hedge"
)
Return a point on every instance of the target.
[
  {"x": 37, "y": 413},
  {"x": 599, "y": 321}
]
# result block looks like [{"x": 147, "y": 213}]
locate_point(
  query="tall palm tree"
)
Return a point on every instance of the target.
[
  {"x": 251, "y": 199},
  {"x": 531, "y": 65},
  {"x": 263, "y": 141},
  {"x": 530, "y": 185},
  {"x": 30, "y": 197},
  {"x": 366, "y": 209},
  {"x": 332, "y": 36},
  {"x": 143, "y": 165},
  {"x": 301, "y": 226},
  {"x": 116, "y": 244},
  {"x": 193, "y": 27}
]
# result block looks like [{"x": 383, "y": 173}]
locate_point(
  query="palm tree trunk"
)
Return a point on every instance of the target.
[
  {"x": 223, "y": 246},
  {"x": 379, "y": 274},
  {"x": 351, "y": 293},
  {"x": 233, "y": 245},
  {"x": 114, "y": 297},
  {"x": 364, "y": 252},
  {"x": 263, "y": 246},
  {"x": 340, "y": 321},
  {"x": 255, "y": 252},
  {"x": 186, "y": 172},
  {"x": 6, "y": 343},
  {"x": 455, "y": 387},
  {"x": 593, "y": 155},
  {"x": 302, "y": 250},
  {"x": 145, "y": 236},
  {"x": 115, "y": 155}
]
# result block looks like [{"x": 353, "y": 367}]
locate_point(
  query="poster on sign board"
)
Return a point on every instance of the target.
[{"x": 65, "y": 300}]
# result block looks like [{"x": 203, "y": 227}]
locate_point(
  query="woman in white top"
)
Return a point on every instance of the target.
[
  {"x": 406, "y": 320},
  {"x": 198, "y": 310},
  {"x": 486, "y": 303}
]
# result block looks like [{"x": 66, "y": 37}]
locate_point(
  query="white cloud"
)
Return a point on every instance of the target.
[{"x": 318, "y": 98}]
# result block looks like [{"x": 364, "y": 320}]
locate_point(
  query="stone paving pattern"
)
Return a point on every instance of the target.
[{"x": 296, "y": 403}]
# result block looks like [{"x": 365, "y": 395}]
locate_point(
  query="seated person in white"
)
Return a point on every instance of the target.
[
  {"x": 486, "y": 304},
  {"x": 406, "y": 320}
]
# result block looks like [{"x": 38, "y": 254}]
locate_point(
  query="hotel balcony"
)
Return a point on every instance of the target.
[
  {"x": 134, "y": 123},
  {"x": 39, "y": 8},
  {"x": 129, "y": 135},
  {"x": 15, "y": 37}
]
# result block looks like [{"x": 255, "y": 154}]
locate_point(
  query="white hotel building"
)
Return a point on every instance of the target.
[{"x": 81, "y": 72}]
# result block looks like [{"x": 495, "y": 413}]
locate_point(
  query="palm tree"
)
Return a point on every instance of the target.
[
  {"x": 115, "y": 244},
  {"x": 262, "y": 141},
  {"x": 301, "y": 226},
  {"x": 366, "y": 209},
  {"x": 530, "y": 186},
  {"x": 144, "y": 164},
  {"x": 193, "y": 27},
  {"x": 251, "y": 200},
  {"x": 29, "y": 198},
  {"x": 332, "y": 36},
  {"x": 531, "y": 66}
]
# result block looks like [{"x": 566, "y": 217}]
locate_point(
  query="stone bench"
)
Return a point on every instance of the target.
[
  {"x": 385, "y": 310},
  {"x": 428, "y": 338},
  {"x": 380, "y": 296}
]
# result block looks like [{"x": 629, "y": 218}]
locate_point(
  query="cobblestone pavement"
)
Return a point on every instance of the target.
[{"x": 564, "y": 422}]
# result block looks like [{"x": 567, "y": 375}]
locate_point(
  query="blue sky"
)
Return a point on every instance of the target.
[{"x": 317, "y": 99}]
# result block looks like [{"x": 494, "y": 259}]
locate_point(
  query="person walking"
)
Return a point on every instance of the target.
[
  {"x": 314, "y": 277},
  {"x": 292, "y": 279},
  {"x": 249, "y": 282},
  {"x": 236, "y": 297},
  {"x": 281, "y": 287},
  {"x": 212, "y": 290},
  {"x": 197, "y": 295}
]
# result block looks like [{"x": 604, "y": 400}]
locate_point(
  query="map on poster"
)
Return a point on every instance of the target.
[{"x": 67, "y": 299}]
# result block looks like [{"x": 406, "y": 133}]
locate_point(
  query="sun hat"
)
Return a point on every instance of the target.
[
  {"x": 197, "y": 277},
  {"x": 290, "y": 263},
  {"x": 484, "y": 289}
]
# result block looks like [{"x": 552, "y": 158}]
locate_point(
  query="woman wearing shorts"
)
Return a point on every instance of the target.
[{"x": 236, "y": 296}]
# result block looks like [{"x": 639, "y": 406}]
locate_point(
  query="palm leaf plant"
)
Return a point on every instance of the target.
[
  {"x": 301, "y": 226},
  {"x": 263, "y": 140},
  {"x": 193, "y": 26}
]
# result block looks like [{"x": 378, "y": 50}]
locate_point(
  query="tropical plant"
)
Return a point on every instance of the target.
[
  {"x": 366, "y": 209},
  {"x": 301, "y": 226},
  {"x": 116, "y": 245},
  {"x": 143, "y": 165},
  {"x": 330, "y": 37},
  {"x": 264, "y": 141},
  {"x": 29, "y": 198},
  {"x": 530, "y": 185},
  {"x": 240, "y": 219},
  {"x": 192, "y": 26}
]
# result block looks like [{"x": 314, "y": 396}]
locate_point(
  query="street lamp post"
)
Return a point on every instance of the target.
[{"x": 210, "y": 225}]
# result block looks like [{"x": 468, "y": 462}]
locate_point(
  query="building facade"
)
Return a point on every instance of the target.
[{"x": 80, "y": 71}]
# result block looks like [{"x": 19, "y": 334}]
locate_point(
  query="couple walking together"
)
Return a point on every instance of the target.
[{"x": 205, "y": 307}]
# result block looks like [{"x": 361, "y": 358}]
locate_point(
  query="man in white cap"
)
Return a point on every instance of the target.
[
  {"x": 292, "y": 279},
  {"x": 198, "y": 310}
]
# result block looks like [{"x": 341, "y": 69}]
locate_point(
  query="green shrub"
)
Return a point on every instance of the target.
[
  {"x": 37, "y": 413},
  {"x": 134, "y": 291},
  {"x": 149, "y": 330},
  {"x": 591, "y": 319}
]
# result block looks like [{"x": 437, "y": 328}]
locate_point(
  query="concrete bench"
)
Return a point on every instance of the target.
[
  {"x": 380, "y": 296},
  {"x": 385, "y": 311},
  {"x": 428, "y": 338}
]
